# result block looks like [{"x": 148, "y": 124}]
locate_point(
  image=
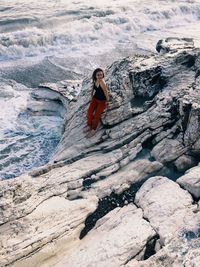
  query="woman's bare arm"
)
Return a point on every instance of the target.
[{"x": 92, "y": 92}]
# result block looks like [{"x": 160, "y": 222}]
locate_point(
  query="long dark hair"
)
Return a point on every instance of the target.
[{"x": 94, "y": 75}]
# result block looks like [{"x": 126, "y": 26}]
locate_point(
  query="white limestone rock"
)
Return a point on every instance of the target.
[
  {"x": 115, "y": 239},
  {"x": 53, "y": 220},
  {"x": 168, "y": 150},
  {"x": 168, "y": 207},
  {"x": 175, "y": 254},
  {"x": 170, "y": 212},
  {"x": 20, "y": 196},
  {"x": 191, "y": 181},
  {"x": 133, "y": 173},
  {"x": 185, "y": 162},
  {"x": 67, "y": 88}
]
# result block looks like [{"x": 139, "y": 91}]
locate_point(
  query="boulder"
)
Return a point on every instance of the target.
[
  {"x": 191, "y": 181},
  {"x": 168, "y": 207},
  {"x": 185, "y": 162},
  {"x": 174, "y": 44},
  {"x": 119, "y": 236}
]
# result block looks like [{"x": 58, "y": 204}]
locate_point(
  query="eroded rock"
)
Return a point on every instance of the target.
[
  {"x": 116, "y": 238},
  {"x": 152, "y": 120},
  {"x": 174, "y": 44},
  {"x": 191, "y": 181},
  {"x": 55, "y": 219},
  {"x": 185, "y": 162},
  {"x": 168, "y": 207}
]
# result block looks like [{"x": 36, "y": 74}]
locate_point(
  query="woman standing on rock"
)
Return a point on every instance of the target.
[{"x": 98, "y": 102}]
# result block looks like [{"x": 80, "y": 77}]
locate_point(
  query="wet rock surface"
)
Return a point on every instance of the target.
[{"x": 115, "y": 195}]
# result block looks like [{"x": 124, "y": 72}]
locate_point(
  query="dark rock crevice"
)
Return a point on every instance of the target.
[
  {"x": 148, "y": 143},
  {"x": 186, "y": 59},
  {"x": 109, "y": 203},
  {"x": 185, "y": 119},
  {"x": 147, "y": 251},
  {"x": 123, "y": 141},
  {"x": 150, "y": 248}
]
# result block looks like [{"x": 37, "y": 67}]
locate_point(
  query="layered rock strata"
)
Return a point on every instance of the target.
[{"x": 113, "y": 199}]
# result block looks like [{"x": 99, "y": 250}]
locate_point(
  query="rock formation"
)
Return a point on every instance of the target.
[{"x": 113, "y": 199}]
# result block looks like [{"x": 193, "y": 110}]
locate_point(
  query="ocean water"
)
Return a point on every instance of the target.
[{"x": 52, "y": 40}]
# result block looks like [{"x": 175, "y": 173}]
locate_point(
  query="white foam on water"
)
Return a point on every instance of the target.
[
  {"x": 85, "y": 27},
  {"x": 13, "y": 99},
  {"x": 26, "y": 140}
]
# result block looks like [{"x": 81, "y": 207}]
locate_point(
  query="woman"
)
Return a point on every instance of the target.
[{"x": 98, "y": 103}]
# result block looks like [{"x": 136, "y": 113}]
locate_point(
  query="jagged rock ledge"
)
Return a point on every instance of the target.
[
  {"x": 54, "y": 98},
  {"x": 123, "y": 179}
]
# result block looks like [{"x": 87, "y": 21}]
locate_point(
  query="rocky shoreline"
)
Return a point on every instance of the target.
[{"x": 128, "y": 196}]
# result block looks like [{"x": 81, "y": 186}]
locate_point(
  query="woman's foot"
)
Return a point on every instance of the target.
[
  {"x": 92, "y": 133},
  {"x": 86, "y": 129}
]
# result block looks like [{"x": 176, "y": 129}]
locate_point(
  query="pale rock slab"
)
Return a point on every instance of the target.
[
  {"x": 20, "y": 196},
  {"x": 54, "y": 220},
  {"x": 176, "y": 254},
  {"x": 191, "y": 181},
  {"x": 69, "y": 89},
  {"x": 185, "y": 162},
  {"x": 134, "y": 172},
  {"x": 114, "y": 240},
  {"x": 168, "y": 207},
  {"x": 168, "y": 150}
]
